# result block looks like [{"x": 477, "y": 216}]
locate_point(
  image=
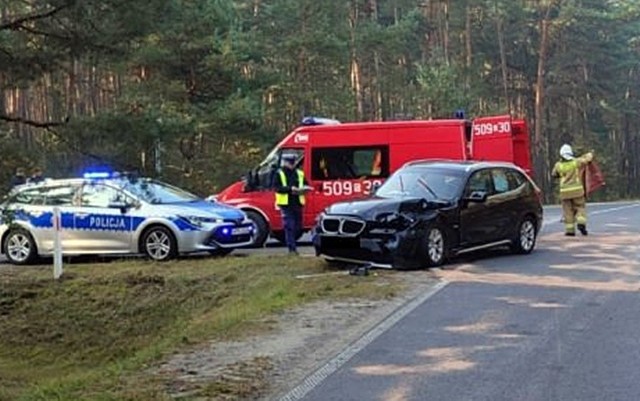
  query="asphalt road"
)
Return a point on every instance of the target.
[{"x": 560, "y": 324}]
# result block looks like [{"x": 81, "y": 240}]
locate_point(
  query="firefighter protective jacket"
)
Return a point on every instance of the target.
[{"x": 569, "y": 172}]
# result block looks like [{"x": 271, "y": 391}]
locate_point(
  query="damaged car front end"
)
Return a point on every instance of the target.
[{"x": 382, "y": 232}]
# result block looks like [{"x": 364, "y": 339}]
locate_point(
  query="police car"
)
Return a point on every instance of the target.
[{"x": 104, "y": 213}]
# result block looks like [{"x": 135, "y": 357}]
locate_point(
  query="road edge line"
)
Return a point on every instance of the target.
[
  {"x": 547, "y": 223},
  {"x": 321, "y": 374}
]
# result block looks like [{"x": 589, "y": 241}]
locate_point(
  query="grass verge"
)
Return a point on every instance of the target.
[{"x": 91, "y": 335}]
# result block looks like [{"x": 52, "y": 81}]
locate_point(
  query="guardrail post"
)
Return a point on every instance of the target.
[{"x": 57, "y": 245}]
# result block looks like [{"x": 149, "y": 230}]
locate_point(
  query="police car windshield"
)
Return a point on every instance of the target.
[
  {"x": 158, "y": 193},
  {"x": 423, "y": 182}
]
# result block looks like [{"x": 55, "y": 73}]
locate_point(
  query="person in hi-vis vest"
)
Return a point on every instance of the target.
[
  {"x": 290, "y": 186},
  {"x": 572, "y": 194}
]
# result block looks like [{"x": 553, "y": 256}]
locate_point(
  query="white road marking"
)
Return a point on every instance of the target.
[
  {"x": 597, "y": 212},
  {"x": 316, "y": 378}
]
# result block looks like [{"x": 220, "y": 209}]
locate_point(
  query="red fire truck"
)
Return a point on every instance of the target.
[{"x": 347, "y": 161}]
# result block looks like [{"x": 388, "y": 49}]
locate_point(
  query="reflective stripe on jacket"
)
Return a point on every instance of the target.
[
  {"x": 571, "y": 185},
  {"x": 283, "y": 199}
]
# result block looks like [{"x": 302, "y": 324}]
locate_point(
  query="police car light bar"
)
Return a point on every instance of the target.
[
  {"x": 319, "y": 121},
  {"x": 93, "y": 175}
]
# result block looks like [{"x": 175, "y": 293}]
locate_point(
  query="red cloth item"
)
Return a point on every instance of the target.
[{"x": 592, "y": 178}]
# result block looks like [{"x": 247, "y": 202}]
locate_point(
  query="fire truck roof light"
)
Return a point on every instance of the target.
[{"x": 319, "y": 121}]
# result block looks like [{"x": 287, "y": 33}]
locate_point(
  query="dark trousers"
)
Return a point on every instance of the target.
[{"x": 292, "y": 221}]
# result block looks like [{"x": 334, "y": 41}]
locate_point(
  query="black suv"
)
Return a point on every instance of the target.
[{"x": 429, "y": 211}]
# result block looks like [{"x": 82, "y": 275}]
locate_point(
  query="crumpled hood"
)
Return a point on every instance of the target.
[
  {"x": 369, "y": 208},
  {"x": 203, "y": 209}
]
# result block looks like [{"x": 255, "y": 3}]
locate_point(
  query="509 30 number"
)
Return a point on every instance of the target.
[{"x": 347, "y": 188}]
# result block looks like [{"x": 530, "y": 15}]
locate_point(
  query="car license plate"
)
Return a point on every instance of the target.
[{"x": 241, "y": 230}]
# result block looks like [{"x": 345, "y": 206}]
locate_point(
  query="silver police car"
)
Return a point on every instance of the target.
[{"x": 106, "y": 214}]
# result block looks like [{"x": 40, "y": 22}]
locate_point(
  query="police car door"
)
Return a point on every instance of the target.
[
  {"x": 101, "y": 223},
  {"x": 33, "y": 209}
]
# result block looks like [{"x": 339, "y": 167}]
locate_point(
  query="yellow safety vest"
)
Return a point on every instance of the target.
[
  {"x": 570, "y": 182},
  {"x": 283, "y": 199}
]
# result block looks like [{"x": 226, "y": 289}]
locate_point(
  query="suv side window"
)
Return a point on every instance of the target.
[
  {"x": 480, "y": 181},
  {"x": 516, "y": 179},
  {"x": 100, "y": 195},
  {"x": 501, "y": 181}
]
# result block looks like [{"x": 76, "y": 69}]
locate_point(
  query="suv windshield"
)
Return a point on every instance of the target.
[
  {"x": 157, "y": 192},
  {"x": 423, "y": 182}
]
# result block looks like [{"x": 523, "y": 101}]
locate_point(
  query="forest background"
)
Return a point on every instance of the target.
[{"x": 197, "y": 91}]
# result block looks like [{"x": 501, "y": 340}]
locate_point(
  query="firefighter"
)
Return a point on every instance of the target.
[
  {"x": 572, "y": 192},
  {"x": 290, "y": 188}
]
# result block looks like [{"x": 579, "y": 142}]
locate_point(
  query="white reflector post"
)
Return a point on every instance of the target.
[{"x": 57, "y": 245}]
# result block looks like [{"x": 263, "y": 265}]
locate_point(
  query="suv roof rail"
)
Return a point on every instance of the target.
[{"x": 426, "y": 161}]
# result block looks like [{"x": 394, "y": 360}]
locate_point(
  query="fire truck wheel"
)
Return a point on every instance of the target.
[
  {"x": 262, "y": 228},
  {"x": 279, "y": 235}
]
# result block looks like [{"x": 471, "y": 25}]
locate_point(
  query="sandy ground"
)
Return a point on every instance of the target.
[{"x": 266, "y": 366}]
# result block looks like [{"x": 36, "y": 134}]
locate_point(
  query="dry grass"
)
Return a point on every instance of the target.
[{"x": 92, "y": 335}]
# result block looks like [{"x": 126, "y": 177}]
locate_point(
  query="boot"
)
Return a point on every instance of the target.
[
  {"x": 583, "y": 229},
  {"x": 568, "y": 234}
]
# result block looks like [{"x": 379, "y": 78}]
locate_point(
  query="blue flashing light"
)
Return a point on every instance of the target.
[
  {"x": 226, "y": 231},
  {"x": 319, "y": 121},
  {"x": 460, "y": 114},
  {"x": 96, "y": 175}
]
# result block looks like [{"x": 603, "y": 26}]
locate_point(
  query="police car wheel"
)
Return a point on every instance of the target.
[
  {"x": 525, "y": 239},
  {"x": 435, "y": 247},
  {"x": 20, "y": 248},
  {"x": 159, "y": 244},
  {"x": 262, "y": 228}
]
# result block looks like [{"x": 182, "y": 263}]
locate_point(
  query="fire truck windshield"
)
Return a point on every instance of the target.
[{"x": 262, "y": 176}]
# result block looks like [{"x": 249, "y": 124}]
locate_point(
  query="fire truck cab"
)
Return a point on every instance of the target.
[{"x": 348, "y": 161}]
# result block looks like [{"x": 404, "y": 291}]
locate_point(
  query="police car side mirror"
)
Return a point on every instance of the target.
[{"x": 123, "y": 206}]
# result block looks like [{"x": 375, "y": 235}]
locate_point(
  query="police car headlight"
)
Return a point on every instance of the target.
[{"x": 198, "y": 221}]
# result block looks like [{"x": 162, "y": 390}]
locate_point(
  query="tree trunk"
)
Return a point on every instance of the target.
[
  {"x": 355, "y": 72},
  {"x": 445, "y": 36},
  {"x": 467, "y": 38},
  {"x": 503, "y": 61},
  {"x": 540, "y": 75}
]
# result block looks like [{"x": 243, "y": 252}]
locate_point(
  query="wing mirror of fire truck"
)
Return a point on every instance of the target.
[
  {"x": 375, "y": 187},
  {"x": 252, "y": 180}
]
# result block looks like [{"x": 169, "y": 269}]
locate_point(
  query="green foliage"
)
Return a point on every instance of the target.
[
  {"x": 94, "y": 334},
  {"x": 443, "y": 89},
  {"x": 196, "y": 91}
]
